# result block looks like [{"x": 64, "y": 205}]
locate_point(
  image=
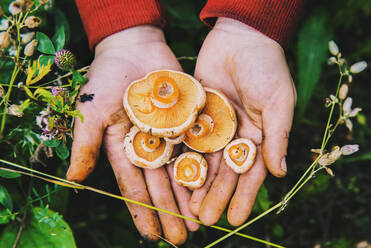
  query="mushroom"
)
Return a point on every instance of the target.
[
  {"x": 145, "y": 150},
  {"x": 215, "y": 127},
  {"x": 177, "y": 140},
  {"x": 240, "y": 155},
  {"x": 164, "y": 103},
  {"x": 190, "y": 170}
]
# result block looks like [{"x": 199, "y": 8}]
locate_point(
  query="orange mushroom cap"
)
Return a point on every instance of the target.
[
  {"x": 146, "y": 151},
  {"x": 240, "y": 155},
  {"x": 215, "y": 127},
  {"x": 164, "y": 103},
  {"x": 190, "y": 170}
]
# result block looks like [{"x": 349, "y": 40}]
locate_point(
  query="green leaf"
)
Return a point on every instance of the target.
[
  {"x": 5, "y": 215},
  {"x": 44, "y": 59},
  {"x": 77, "y": 77},
  {"x": 45, "y": 44},
  {"x": 52, "y": 143},
  {"x": 45, "y": 229},
  {"x": 262, "y": 202},
  {"x": 5, "y": 198},
  {"x": 312, "y": 53},
  {"x": 59, "y": 38},
  {"x": 278, "y": 231},
  {"x": 61, "y": 20},
  {"x": 8, "y": 174},
  {"x": 62, "y": 151}
]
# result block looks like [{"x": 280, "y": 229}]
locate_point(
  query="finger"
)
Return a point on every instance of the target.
[
  {"x": 247, "y": 189},
  {"x": 198, "y": 195},
  {"x": 219, "y": 195},
  {"x": 86, "y": 144},
  {"x": 131, "y": 181},
  {"x": 277, "y": 121},
  {"x": 162, "y": 197},
  {"x": 183, "y": 197}
]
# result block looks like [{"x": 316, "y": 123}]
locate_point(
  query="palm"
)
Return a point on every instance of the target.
[
  {"x": 252, "y": 72},
  {"x": 123, "y": 58}
]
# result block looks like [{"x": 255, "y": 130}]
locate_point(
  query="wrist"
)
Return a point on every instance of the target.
[
  {"x": 134, "y": 36},
  {"x": 242, "y": 30}
]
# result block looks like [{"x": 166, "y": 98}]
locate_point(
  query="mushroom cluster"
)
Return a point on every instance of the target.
[{"x": 170, "y": 107}]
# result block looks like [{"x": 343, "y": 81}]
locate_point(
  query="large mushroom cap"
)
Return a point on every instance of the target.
[
  {"x": 146, "y": 151},
  {"x": 164, "y": 103},
  {"x": 215, "y": 127},
  {"x": 190, "y": 170},
  {"x": 240, "y": 155}
]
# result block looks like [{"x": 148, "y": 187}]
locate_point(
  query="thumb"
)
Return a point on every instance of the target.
[
  {"x": 85, "y": 146},
  {"x": 277, "y": 121}
]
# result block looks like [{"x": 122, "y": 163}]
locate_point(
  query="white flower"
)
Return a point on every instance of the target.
[
  {"x": 358, "y": 67},
  {"x": 333, "y": 48},
  {"x": 347, "y": 108},
  {"x": 349, "y": 124},
  {"x": 349, "y": 149},
  {"x": 15, "y": 110}
]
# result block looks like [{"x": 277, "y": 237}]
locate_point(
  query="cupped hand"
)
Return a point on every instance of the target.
[
  {"x": 120, "y": 59},
  {"x": 251, "y": 70}
]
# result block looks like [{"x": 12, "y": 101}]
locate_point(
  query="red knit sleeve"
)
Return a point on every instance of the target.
[
  {"x": 274, "y": 18},
  {"x": 102, "y": 18}
]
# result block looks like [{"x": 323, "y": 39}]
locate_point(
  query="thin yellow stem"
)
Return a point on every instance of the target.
[{"x": 69, "y": 184}]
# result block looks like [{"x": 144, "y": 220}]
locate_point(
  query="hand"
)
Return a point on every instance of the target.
[
  {"x": 251, "y": 70},
  {"x": 120, "y": 59}
]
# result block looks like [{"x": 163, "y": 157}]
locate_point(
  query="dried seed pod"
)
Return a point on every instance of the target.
[
  {"x": 4, "y": 40},
  {"x": 32, "y": 21},
  {"x": 27, "y": 37},
  {"x": 215, "y": 127},
  {"x": 177, "y": 140},
  {"x": 240, "y": 155},
  {"x": 146, "y": 151},
  {"x": 30, "y": 48},
  {"x": 164, "y": 103},
  {"x": 190, "y": 170}
]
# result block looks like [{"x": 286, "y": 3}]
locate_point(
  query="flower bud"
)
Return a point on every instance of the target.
[
  {"x": 343, "y": 92},
  {"x": 43, "y": 1},
  {"x": 4, "y": 40},
  {"x": 350, "y": 78},
  {"x": 4, "y": 24},
  {"x": 333, "y": 48},
  {"x": 349, "y": 149},
  {"x": 15, "y": 110},
  {"x": 330, "y": 172},
  {"x": 65, "y": 60},
  {"x": 2, "y": 91},
  {"x": 331, "y": 61},
  {"x": 27, "y": 37},
  {"x": 32, "y": 21},
  {"x": 30, "y": 48},
  {"x": 358, "y": 67}
]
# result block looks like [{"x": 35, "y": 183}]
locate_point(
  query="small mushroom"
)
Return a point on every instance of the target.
[
  {"x": 164, "y": 103},
  {"x": 145, "y": 150},
  {"x": 177, "y": 140},
  {"x": 240, "y": 155},
  {"x": 215, "y": 127},
  {"x": 190, "y": 170}
]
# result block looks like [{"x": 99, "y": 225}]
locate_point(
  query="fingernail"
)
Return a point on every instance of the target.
[{"x": 283, "y": 164}]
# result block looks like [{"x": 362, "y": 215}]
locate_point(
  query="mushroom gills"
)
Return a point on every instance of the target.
[
  {"x": 203, "y": 126},
  {"x": 145, "y": 150},
  {"x": 190, "y": 170},
  {"x": 240, "y": 155}
]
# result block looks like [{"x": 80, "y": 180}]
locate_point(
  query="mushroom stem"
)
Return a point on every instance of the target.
[
  {"x": 150, "y": 143},
  {"x": 202, "y": 127},
  {"x": 165, "y": 92}
]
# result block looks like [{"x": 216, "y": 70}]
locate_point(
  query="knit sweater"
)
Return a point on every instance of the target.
[{"x": 274, "y": 18}]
